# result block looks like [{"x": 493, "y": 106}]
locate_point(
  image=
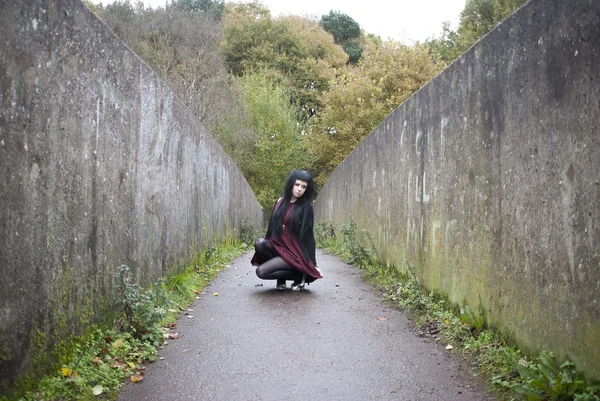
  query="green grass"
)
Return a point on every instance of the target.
[{"x": 96, "y": 365}]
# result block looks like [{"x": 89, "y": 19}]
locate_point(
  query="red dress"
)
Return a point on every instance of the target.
[{"x": 288, "y": 248}]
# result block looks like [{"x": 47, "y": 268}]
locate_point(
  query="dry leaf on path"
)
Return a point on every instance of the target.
[
  {"x": 215, "y": 294},
  {"x": 138, "y": 377},
  {"x": 382, "y": 318}
]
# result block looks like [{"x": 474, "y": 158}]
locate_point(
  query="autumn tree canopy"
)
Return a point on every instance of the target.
[{"x": 286, "y": 92}]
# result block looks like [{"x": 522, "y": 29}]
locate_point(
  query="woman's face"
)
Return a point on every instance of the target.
[{"x": 298, "y": 190}]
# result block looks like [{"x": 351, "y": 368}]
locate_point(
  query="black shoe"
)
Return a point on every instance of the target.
[
  {"x": 299, "y": 286},
  {"x": 280, "y": 285}
]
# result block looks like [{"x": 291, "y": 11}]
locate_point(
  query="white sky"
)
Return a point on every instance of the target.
[{"x": 405, "y": 20}]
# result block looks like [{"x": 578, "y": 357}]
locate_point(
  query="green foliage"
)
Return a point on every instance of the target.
[
  {"x": 362, "y": 96},
  {"x": 278, "y": 147},
  {"x": 345, "y": 32},
  {"x": 247, "y": 232},
  {"x": 143, "y": 309},
  {"x": 100, "y": 362},
  {"x": 325, "y": 235},
  {"x": 215, "y": 7},
  {"x": 477, "y": 322},
  {"x": 357, "y": 253},
  {"x": 544, "y": 379},
  {"x": 444, "y": 46},
  {"x": 293, "y": 51},
  {"x": 354, "y": 50},
  {"x": 476, "y": 19},
  {"x": 341, "y": 26}
]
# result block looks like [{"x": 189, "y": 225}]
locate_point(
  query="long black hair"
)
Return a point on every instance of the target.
[{"x": 301, "y": 217}]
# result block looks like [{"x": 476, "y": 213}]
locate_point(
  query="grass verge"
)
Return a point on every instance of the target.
[{"x": 96, "y": 365}]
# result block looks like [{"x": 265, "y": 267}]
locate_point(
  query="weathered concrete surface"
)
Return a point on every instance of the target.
[
  {"x": 488, "y": 180},
  {"x": 100, "y": 165},
  {"x": 256, "y": 343}
]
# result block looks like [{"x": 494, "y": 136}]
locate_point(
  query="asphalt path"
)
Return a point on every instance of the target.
[{"x": 337, "y": 340}]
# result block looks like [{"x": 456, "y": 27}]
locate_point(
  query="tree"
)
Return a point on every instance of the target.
[
  {"x": 476, "y": 19},
  {"x": 183, "y": 48},
  {"x": 445, "y": 45},
  {"x": 294, "y": 51},
  {"x": 214, "y": 7},
  {"x": 345, "y": 31},
  {"x": 363, "y": 95},
  {"x": 278, "y": 147}
]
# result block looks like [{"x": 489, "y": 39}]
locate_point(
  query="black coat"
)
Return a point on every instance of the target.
[{"x": 306, "y": 234}]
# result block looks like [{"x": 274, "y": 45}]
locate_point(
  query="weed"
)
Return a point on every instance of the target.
[
  {"x": 325, "y": 235},
  {"x": 247, "y": 232},
  {"x": 544, "y": 379},
  {"x": 358, "y": 255},
  {"x": 477, "y": 322},
  {"x": 143, "y": 309}
]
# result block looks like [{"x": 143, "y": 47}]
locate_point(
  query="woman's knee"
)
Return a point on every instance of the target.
[
  {"x": 259, "y": 244},
  {"x": 260, "y": 272}
]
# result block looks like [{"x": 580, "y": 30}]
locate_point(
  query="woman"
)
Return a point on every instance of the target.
[{"x": 288, "y": 250}]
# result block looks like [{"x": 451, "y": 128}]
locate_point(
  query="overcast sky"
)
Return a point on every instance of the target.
[{"x": 405, "y": 20}]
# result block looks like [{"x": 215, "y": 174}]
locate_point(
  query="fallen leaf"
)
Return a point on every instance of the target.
[
  {"x": 172, "y": 325},
  {"x": 162, "y": 358},
  {"x": 138, "y": 377},
  {"x": 140, "y": 360},
  {"x": 131, "y": 364},
  {"x": 66, "y": 372},
  {"x": 190, "y": 316},
  {"x": 96, "y": 360},
  {"x": 97, "y": 390},
  {"x": 118, "y": 364},
  {"x": 382, "y": 318},
  {"x": 215, "y": 294},
  {"x": 449, "y": 346},
  {"x": 118, "y": 343},
  {"x": 173, "y": 336}
]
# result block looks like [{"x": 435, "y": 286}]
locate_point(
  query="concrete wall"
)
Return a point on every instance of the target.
[
  {"x": 100, "y": 165},
  {"x": 488, "y": 180}
]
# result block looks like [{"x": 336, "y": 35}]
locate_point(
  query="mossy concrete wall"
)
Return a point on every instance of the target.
[
  {"x": 100, "y": 165},
  {"x": 488, "y": 180}
]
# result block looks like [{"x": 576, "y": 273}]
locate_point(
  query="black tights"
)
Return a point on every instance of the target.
[{"x": 272, "y": 267}]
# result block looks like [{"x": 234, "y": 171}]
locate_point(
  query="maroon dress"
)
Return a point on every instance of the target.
[{"x": 288, "y": 248}]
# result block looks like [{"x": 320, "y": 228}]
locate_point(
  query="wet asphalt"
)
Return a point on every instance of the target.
[{"x": 337, "y": 340}]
